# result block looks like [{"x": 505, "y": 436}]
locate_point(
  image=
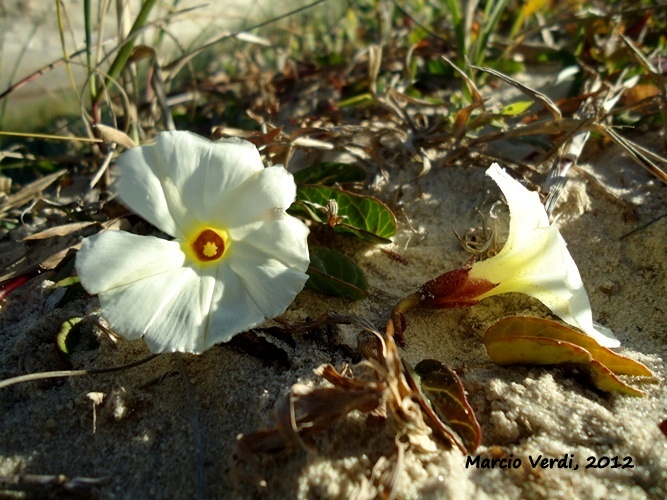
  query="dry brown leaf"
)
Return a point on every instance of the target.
[
  {"x": 110, "y": 134},
  {"x": 30, "y": 191},
  {"x": 48, "y": 253},
  {"x": 63, "y": 230},
  {"x": 377, "y": 386}
]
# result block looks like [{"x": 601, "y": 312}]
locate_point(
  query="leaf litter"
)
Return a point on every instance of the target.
[{"x": 373, "y": 119}]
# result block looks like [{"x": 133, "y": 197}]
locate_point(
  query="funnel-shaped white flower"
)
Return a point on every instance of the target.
[
  {"x": 534, "y": 261},
  {"x": 237, "y": 257}
]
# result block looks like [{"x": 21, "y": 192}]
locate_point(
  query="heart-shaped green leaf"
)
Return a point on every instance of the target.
[
  {"x": 332, "y": 273},
  {"x": 329, "y": 173},
  {"x": 364, "y": 216}
]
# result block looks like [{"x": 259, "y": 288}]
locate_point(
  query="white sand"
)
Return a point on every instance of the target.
[{"x": 47, "y": 427}]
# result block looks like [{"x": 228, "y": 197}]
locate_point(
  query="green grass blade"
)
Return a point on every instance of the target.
[{"x": 125, "y": 50}]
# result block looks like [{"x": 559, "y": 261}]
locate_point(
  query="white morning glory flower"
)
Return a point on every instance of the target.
[
  {"x": 237, "y": 257},
  {"x": 534, "y": 261}
]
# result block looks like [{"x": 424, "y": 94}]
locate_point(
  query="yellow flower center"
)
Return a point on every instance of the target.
[{"x": 206, "y": 245}]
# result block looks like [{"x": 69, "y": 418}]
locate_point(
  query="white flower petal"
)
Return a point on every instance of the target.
[
  {"x": 234, "y": 310},
  {"x": 271, "y": 284},
  {"x": 158, "y": 181},
  {"x": 115, "y": 258},
  {"x": 526, "y": 210},
  {"x": 265, "y": 195},
  {"x": 285, "y": 240},
  {"x": 182, "y": 184},
  {"x": 535, "y": 261},
  {"x": 205, "y": 171},
  {"x": 163, "y": 307},
  {"x": 182, "y": 310},
  {"x": 139, "y": 187}
]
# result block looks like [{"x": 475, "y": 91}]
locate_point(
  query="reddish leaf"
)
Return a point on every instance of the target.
[
  {"x": 447, "y": 404},
  {"x": 10, "y": 285},
  {"x": 663, "y": 427}
]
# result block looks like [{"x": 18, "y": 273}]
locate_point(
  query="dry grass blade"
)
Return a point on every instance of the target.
[
  {"x": 592, "y": 110},
  {"x": 644, "y": 157},
  {"x": 63, "y": 230},
  {"x": 548, "y": 127},
  {"x": 374, "y": 65},
  {"x": 570, "y": 150},
  {"x": 472, "y": 88},
  {"x": 47, "y": 255},
  {"x": 32, "y": 377},
  {"x": 534, "y": 94},
  {"x": 27, "y": 193},
  {"x": 659, "y": 76}
]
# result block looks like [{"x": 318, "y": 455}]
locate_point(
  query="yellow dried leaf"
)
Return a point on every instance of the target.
[
  {"x": 535, "y": 351},
  {"x": 524, "y": 326},
  {"x": 536, "y": 341}
]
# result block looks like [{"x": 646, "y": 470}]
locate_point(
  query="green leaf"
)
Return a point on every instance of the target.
[
  {"x": 516, "y": 108},
  {"x": 364, "y": 216},
  {"x": 604, "y": 379},
  {"x": 520, "y": 326},
  {"x": 438, "y": 67},
  {"x": 535, "y": 351},
  {"x": 365, "y": 99},
  {"x": 65, "y": 282},
  {"x": 328, "y": 173},
  {"x": 68, "y": 335},
  {"x": 332, "y": 273}
]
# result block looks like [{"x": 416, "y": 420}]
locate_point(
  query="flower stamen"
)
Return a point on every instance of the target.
[{"x": 208, "y": 246}]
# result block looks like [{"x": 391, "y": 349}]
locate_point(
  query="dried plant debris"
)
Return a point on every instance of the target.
[
  {"x": 47, "y": 249},
  {"x": 351, "y": 121},
  {"x": 46, "y": 486},
  {"x": 412, "y": 404}
]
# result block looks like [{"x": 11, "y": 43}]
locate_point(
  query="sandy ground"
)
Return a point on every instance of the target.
[{"x": 141, "y": 438}]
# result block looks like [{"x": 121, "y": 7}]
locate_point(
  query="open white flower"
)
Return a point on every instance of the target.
[
  {"x": 237, "y": 257},
  {"x": 534, "y": 261}
]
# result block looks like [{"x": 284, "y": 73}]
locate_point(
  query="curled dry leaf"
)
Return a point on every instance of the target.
[
  {"x": 527, "y": 340},
  {"x": 445, "y": 396},
  {"x": 380, "y": 386},
  {"x": 113, "y": 135}
]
